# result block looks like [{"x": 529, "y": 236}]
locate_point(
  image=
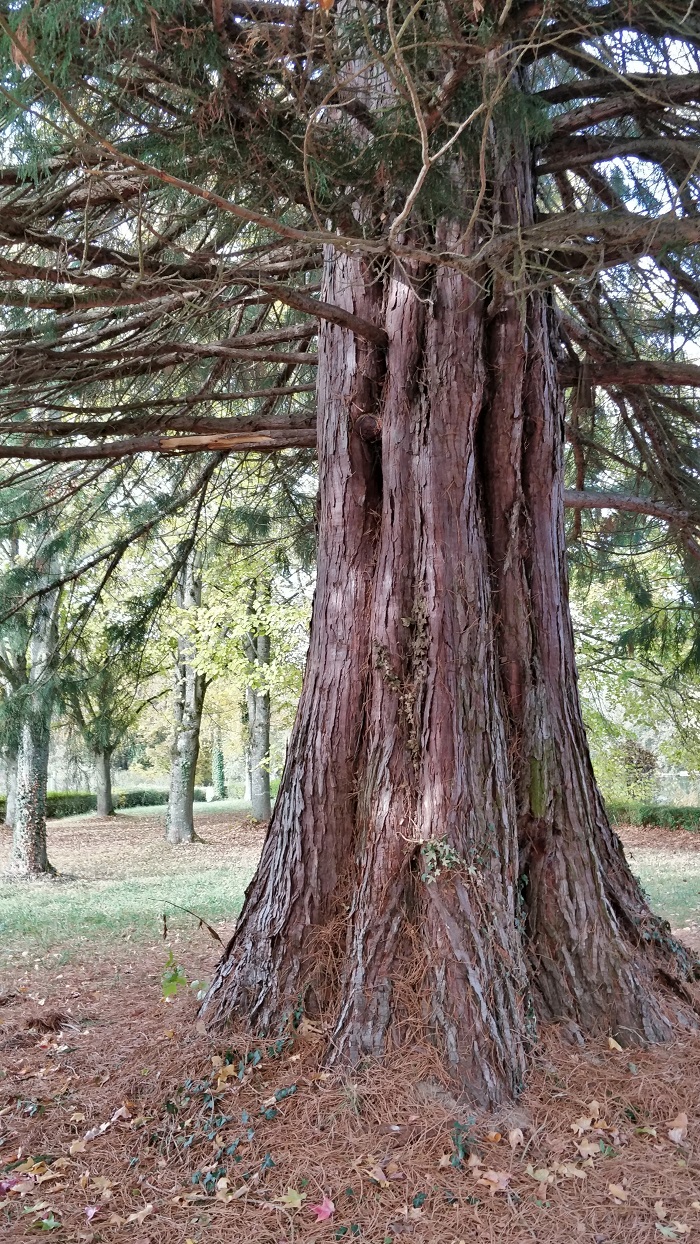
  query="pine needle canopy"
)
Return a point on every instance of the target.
[{"x": 172, "y": 173}]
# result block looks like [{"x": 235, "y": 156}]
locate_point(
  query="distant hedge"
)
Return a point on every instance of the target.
[
  {"x": 654, "y": 814},
  {"x": 72, "y": 803},
  {"x": 63, "y": 803},
  {"x": 148, "y": 798},
  {"x": 139, "y": 798}
]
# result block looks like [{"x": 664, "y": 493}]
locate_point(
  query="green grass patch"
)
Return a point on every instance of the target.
[
  {"x": 671, "y": 881},
  {"x": 51, "y": 915},
  {"x": 200, "y": 809}
]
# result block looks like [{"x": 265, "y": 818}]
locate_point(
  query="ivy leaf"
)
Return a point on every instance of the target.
[{"x": 49, "y": 1223}]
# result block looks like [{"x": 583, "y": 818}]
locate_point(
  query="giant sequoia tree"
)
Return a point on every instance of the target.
[{"x": 471, "y": 207}]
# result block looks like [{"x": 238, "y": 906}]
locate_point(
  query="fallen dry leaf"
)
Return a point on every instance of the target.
[
  {"x": 323, "y": 1211},
  {"x": 515, "y": 1137},
  {"x": 614, "y": 1045},
  {"x": 226, "y": 1073},
  {"x": 569, "y": 1170},
  {"x": 495, "y": 1181},
  {"x": 618, "y": 1193},
  {"x": 292, "y": 1199},
  {"x": 140, "y": 1214},
  {"x": 579, "y": 1126},
  {"x": 222, "y": 1193},
  {"x": 541, "y": 1174},
  {"x": 493, "y": 1138},
  {"x": 678, "y": 1129},
  {"x": 589, "y": 1149},
  {"x": 376, "y": 1174},
  {"x": 307, "y": 1028}
]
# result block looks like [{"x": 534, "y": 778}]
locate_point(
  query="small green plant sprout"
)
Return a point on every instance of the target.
[
  {"x": 173, "y": 977},
  {"x": 199, "y": 988},
  {"x": 438, "y": 855}
]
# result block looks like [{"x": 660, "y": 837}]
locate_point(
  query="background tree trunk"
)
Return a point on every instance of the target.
[
  {"x": 258, "y": 750},
  {"x": 103, "y": 783},
  {"x": 188, "y": 701},
  {"x": 218, "y": 774},
  {"x": 29, "y": 853},
  {"x": 29, "y": 856},
  {"x": 10, "y": 786}
]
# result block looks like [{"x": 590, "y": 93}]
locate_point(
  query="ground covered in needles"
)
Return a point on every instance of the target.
[{"x": 122, "y": 1120}]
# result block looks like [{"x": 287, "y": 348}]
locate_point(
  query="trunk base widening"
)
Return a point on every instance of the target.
[{"x": 438, "y": 865}]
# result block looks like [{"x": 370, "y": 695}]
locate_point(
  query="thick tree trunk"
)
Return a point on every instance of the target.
[
  {"x": 103, "y": 783},
  {"x": 29, "y": 854},
  {"x": 586, "y": 919},
  {"x": 188, "y": 701},
  {"x": 10, "y": 786},
  {"x": 439, "y": 726},
  {"x": 388, "y": 885}
]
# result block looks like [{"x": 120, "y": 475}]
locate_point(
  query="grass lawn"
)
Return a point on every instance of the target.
[
  {"x": 117, "y": 877},
  {"x": 667, "y": 863},
  {"x": 671, "y": 882}
]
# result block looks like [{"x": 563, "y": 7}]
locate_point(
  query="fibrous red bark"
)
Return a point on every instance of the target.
[{"x": 439, "y": 857}]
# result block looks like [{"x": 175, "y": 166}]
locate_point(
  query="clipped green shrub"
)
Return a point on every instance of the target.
[
  {"x": 627, "y": 813},
  {"x": 148, "y": 798},
  {"x": 69, "y": 803},
  {"x": 139, "y": 798},
  {"x": 62, "y": 803},
  {"x": 665, "y": 815},
  {"x": 72, "y": 803}
]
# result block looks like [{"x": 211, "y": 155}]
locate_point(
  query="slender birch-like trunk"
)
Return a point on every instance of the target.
[
  {"x": 258, "y": 751},
  {"x": 188, "y": 702},
  {"x": 29, "y": 856}
]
